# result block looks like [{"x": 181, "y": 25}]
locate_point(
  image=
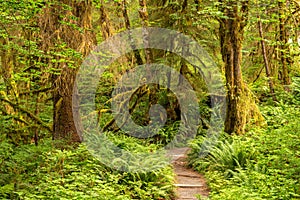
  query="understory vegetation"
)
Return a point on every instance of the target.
[
  {"x": 53, "y": 170},
  {"x": 262, "y": 164},
  {"x": 138, "y": 77}
]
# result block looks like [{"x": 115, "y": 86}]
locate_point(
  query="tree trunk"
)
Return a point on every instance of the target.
[
  {"x": 240, "y": 104},
  {"x": 137, "y": 54},
  {"x": 79, "y": 38},
  {"x": 283, "y": 38},
  {"x": 104, "y": 21},
  {"x": 263, "y": 47},
  {"x": 64, "y": 126}
]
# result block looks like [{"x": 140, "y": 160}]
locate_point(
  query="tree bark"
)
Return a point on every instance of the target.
[
  {"x": 240, "y": 103},
  {"x": 143, "y": 13},
  {"x": 283, "y": 38},
  {"x": 79, "y": 38},
  {"x": 137, "y": 54},
  {"x": 263, "y": 47},
  {"x": 106, "y": 28}
]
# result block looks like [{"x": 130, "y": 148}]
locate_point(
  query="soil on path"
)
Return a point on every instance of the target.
[{"x": 188, "y": 182}]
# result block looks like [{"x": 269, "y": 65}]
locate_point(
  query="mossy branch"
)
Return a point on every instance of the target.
[
  {"x": 28, "y": 113},
  {"x": 140, "y": 92}
]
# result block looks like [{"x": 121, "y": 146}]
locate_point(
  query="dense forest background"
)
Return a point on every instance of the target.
[{"x": 255, "y": 45}]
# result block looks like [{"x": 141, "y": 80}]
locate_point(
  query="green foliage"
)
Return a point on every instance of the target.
[
  {"x": 227, "y": 155},
  {"x": 43, "y": 172},
  {"x": 296, "y": 88},
  {"x": 263, "y": 164}
]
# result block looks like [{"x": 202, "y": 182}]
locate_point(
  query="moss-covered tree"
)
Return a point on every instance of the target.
[
  {"x": 240, "y": 102},
  {"x": 66, "y": 25}
]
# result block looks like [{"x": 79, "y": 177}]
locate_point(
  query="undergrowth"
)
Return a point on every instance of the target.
[
  {"x": 47, "y": 172},
  {"x": 262, "y": 164}
]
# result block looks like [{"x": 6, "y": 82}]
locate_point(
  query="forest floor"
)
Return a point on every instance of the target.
[{"x": 189, "y": 183}]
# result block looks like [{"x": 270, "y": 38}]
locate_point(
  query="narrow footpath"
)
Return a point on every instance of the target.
[{"x": 189, "y": 183}]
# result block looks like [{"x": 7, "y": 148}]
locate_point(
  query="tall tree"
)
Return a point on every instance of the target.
[
  {"x": 240, "y": 103},
  {"x": 66, "y": 24},
  {"x": 283, "y": 39},
  {"x": 22, "y": 72},
  {"x": 263, "y": 47}
]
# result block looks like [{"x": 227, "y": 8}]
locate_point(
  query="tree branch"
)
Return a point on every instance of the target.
[{"x": 28, "y": 113}]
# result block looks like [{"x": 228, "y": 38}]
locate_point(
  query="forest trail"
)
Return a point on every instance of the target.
[{"x": 189, "y": 183}]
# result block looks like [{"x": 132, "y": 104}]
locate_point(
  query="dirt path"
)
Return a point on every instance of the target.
[{"x": 188, "y": 182}]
